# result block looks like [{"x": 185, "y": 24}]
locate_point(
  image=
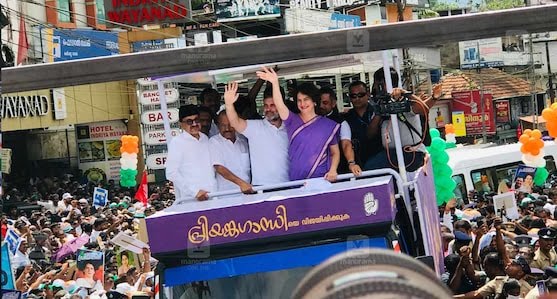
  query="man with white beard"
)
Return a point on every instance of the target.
[{"x": 267, "y": 139}]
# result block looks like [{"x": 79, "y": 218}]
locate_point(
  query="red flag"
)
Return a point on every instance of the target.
[
  {"x": 23, "y": 45},
  {"x": 142, "y": 193}
]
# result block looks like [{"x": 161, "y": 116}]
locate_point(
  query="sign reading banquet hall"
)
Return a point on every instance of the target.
[
  {"x": 469, "y": 102},
  {"x": 99, "y": 149},
  {"x": 139, "y": 12},
  {"x": 236, "y": 10},
  {"x": 24, "y": 106},
  {"x": 152, "y": 97}
]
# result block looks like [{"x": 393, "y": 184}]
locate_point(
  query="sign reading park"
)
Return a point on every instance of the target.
[{"x": 139, "y": 12}]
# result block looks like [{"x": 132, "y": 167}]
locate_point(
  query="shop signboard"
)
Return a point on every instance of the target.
[
  {"x": 469, "y": 102},
  {"x": 459, "y": 123},
  {"x": 6, "y": 161},
  {"x": 503, "y": 111},
  {"x": 482, "y": 53},
  {"x": 59, "y": 99},
  {"x": 138, "y": 13},
  {"x": 99, "y": 149},
  {"x": 156, "y": 161},
  {"x": 158, "y": 136},
  {"x": 155, "y": 117},
  {"x": 21, "y": 106},
  {"x": 231, "y": 10},
  {"x": 152, "y": 97},
  {"x": 71, "y": 44},
  {"x": 341, "y": 21},
  {"x": 317, "y": 4}
]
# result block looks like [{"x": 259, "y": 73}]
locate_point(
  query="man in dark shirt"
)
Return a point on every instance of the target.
[{"x": 364, "y": 123}]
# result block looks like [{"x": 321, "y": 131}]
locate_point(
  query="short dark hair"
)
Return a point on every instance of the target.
[
  {"x": 357, "y": 83},
  {"x": 209, "y": 92},
  {"x": 188, "y": 110},
  {"x": 268, "y": 92},
  {"x": 206, "y": 110},
  {"x": 310, "y": 90},
  {"x": 330, "y": 92},
  {"x": 379, "y": 76},
  {"x": 462, "y": 224}
]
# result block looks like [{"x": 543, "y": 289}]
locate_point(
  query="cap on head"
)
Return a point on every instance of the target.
[
  {"x": 66, "y": 196},
  {"x": 188, "y": 110},
  {"x": 547, "y": 233},
  {"x": 463, "y": 237},
  {"x": 520, "y": 261}
]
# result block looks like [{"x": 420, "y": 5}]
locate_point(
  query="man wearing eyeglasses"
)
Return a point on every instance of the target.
[
  {"x": 364, "y": 123},
  {"x": 188, "y": 164}
]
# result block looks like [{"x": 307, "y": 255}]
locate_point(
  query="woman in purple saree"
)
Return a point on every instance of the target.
[{"x": 313, "y": 150}]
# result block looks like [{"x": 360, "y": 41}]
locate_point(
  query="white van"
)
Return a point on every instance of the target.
[{"x": 498, "y": 163}]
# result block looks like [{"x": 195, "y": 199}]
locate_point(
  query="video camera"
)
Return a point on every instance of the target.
[{"x": 385, "y": 105}]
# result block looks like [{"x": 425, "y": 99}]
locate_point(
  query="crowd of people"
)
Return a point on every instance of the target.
[
  {"x": 232, "y": 147},
  {"x": 64, "y": 248},
  {"x": 488, "y": 255}
]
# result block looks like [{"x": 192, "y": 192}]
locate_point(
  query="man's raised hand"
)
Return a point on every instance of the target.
[{"x": 231, "y": 93}]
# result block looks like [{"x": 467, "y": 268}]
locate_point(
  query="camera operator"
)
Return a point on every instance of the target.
[{"x": 412, "y": 133}]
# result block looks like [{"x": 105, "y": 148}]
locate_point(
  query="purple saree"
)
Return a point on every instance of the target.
[{"x": 308, "y": 151}]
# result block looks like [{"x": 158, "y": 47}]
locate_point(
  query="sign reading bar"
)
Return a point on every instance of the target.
[
  {"x": 156, "y": 161},
  {"x": 157, "y": 137},
  {"x": 192, "y": 224},
  {"x": 24, "y": 106},
  {"x": 152, "y": 97},
  {"x": 140, "y": 12},
  {"x": 154, "y": 117}
]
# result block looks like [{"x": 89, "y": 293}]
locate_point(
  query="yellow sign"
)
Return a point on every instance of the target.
[{"x": 459, "y": 123}]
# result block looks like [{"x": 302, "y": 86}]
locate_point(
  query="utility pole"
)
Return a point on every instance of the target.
[
  {"x": 482, "y": 103},
  {"x": 549, "y": 74},
  {"x": 533, "y": 84}
]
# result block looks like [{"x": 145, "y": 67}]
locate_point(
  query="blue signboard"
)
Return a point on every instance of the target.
[
  {"x": 7, "y": 275},
  {"x": 71, "y": 44},
  {"x": 340, "y": 21}
]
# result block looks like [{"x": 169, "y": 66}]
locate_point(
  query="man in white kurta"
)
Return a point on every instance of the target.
[
  {"x": 230, "y": 157},
  {"x": 188, "y": 164}
]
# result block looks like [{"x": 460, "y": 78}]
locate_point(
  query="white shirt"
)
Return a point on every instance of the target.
[
  {"x": 268, "y": 147},
  {"x": 48, "y": 205},
  {"x": 189, "y": 166},
  {"x": 214, "y": 131},
  {"x": 407, "y": 136},
  {"x": 234, "y": 156},
  {"x": 345, "y": 133},
  {"x": 20, "y": 259},
  {"x": 94, "y": 235}
]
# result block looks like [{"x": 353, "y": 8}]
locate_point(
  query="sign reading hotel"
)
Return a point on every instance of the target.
[
  {"x": 140, "y": 12},
  {"x": 98, "y": 147},
  {"x": 24, "y": 106},
  {"x": 152, "y": 97}
]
